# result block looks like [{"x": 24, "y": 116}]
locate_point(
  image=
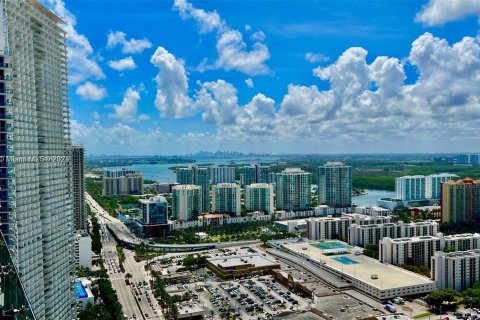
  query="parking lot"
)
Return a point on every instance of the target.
[{"x": 256, "y": 297}]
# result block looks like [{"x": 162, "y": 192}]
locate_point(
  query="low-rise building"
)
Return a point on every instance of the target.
[
  {"x": 292, "y": 226},
  {"x": 160, "y": 188},
  {"x": 372, "y": 211},
  {"x": 389, "y": 203},
  {"x": 233, "y": 266},
  {"x": 189, "y": 310},
  {"x": 348, "y": 264},
  {"x": 83, "y": 292}
]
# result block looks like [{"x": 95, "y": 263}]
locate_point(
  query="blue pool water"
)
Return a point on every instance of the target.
[
  {"x": 80, "y": 290},
  {"x": 330, "y": 245},
  {"x": 345, "y": 260}
]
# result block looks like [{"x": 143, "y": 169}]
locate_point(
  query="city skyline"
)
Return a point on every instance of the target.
[{"x": 189, "y": 76}]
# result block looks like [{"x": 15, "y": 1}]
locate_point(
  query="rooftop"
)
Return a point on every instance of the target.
[
  {"x": 257, "y": 260},
  {"x": 361, "y": 267}
]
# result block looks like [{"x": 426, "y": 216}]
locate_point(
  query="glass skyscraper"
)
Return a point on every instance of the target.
[{"x": 36, "y": 172}]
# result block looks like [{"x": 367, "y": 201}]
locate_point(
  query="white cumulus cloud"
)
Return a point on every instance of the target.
[
  {"x": 129, "y": 46},
  {"x": 123, "y": 64},
  {"x": 315, "y": 57},
  {"x": 127, "y": 109},
  {"x": 172, "y": 98},
  {"x": 233, "y": 52},
  {"x": 81, "y": 63},
  {"x": 91, "y": 91},
  {"x": 439, "y": 12},
  {"x": 249, "y": 82}
]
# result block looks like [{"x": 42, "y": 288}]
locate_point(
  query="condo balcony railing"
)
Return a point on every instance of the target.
[
  {"x": 6, "y": 78},
  {"x": 5, "y": 65}
]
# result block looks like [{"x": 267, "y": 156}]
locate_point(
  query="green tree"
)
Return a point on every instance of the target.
[{"x": 436, "y": 299}]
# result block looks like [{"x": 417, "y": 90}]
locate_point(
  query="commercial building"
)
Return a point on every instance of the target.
[
  {"x": 189, "y": 310},
  {"x": 186, "y": 201},
  {"x": 259, "y": 197},
  {"x": 193, "y": 175},
  {"x": 122, "y": 182},
  {"x": 154, "y": 210},
  {"x": 347, "y": 264},
  {"x": 460, "y": 201},
  {"x": 226, "y": 198},
  {"x": 411, "y": 188},
  {"x": 222, "y": 175},
  {"x": 456, "y": 270},
  {"x": 78, "y": 168},
  {"x": 293, "y": 190},
  {"x": 326, "y": 228},
  {"x": 233, "y": 266},
  {"x": 255, "y": 173},
  {"x": 335, "y": 185},
  {"x": 415, "y": 251},
  {"x": 83, "y": 250},
  {"x": 36, "y": 200}
]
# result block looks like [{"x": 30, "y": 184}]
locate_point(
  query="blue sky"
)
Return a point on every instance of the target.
[{"x": 174, "y": 77}]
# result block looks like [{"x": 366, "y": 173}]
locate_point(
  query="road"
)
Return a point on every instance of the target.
[
  {"x": 122, "y": 232},
  {"x": 126, "y": 293}
]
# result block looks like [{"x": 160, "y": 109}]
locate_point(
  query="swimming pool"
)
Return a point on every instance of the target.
[
  {"x": 345, "y": 260},
  {"x": 80, "y": 290},
  {"x": 330, "y": 245}
]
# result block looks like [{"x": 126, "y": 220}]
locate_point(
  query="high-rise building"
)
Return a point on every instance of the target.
[
  {"x": 293, "y": 190},
  {"x": 36, "y": 200},
  {"x": 410, "y": 188},
  {"x": 415, "y": 251},
  {"x": 418, "y": 250},
  {"x": 456, "y": 270},
  {"x": 186, "y": 201},
  {"x": 463, "y": 158},
  {"x": 78, "y": 167},
  {"x": 259, "y": 197},
  {"x": 122, "y": 182},
  {"x": 199, "y": 177},
  {"x": 327, "y": 228},
  {"x": 154, "y": 210},
  {"x": 226, "y": 198},
  {"x": 434, "y": 182},
  {"x": 255, "y": 173},
  {"x": 460, "y": 200},
  {"x": 222, "y": 175},
  {"x": 13, "y": 299},
  {"x": 475, "y": 159},
  {"x": 335, "y": 185}
]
